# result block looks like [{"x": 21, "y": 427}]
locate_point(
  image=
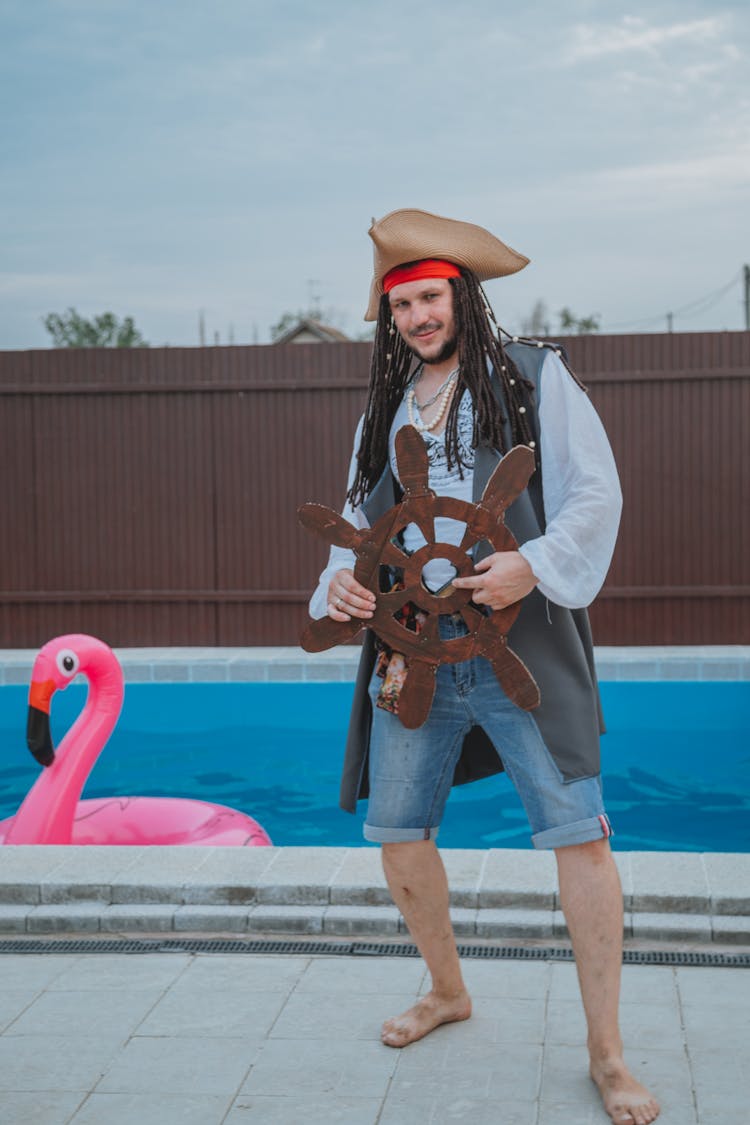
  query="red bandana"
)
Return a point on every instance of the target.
[{"x": 429, "y": 267}]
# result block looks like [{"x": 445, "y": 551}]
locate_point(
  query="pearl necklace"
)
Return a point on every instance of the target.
[{"x": 411, "y": 402}]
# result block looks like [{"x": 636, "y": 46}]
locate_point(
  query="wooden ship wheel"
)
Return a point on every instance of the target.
[{"x": 379, "y": 546}]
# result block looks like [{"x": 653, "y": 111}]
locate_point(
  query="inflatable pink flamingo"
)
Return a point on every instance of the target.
[{"x": 53, "y": 813}]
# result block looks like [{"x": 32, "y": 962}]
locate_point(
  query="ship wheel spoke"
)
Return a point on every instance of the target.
[
  {"x": 329, "y": 525},
  {"x": 416, "y": 696},
  {"x": 325, "y": 633}
]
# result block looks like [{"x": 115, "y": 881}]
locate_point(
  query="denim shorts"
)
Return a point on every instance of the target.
[{"x": 411, "y": 770}]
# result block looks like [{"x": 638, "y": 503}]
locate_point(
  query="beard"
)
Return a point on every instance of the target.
[{"x": 448, "y": 350}]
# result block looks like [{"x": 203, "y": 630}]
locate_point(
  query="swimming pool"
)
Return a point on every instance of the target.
[{"x": 676, "y": 761}]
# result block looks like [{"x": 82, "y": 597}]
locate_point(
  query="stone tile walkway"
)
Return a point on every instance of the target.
[
  {"x": 496, "y": 894},
  {"x": 216, "y": 1039}
]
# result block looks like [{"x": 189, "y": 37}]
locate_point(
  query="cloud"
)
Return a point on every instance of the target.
[{"x": 590, "y": 41}]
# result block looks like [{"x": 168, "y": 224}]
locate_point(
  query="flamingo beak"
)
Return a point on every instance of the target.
[{"x": 38, "y": 736}]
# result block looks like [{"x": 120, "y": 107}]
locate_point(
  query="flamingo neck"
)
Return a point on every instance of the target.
[{"x": 46, "y": 815}]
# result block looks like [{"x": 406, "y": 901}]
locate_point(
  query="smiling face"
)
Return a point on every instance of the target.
[{"x": 423, "y": 314}]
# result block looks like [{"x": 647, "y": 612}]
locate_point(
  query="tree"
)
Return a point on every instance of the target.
[
  {"x": 578, "y": 326},
  {"x": 536, "y": 324},
  {"x": 105, "y": 331}
]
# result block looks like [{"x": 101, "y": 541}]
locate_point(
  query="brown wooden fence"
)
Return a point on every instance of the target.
[{"x": 149, "y": 496}]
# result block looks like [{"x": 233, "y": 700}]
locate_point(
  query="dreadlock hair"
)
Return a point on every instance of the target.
[{"x": 390, "y": 371}]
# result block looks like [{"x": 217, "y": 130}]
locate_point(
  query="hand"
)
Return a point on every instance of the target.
[
  {"x": 347, "y": 598},
  {"x": 499, "y": 580}
]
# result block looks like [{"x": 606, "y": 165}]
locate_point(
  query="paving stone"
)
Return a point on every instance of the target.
[
  {"x": 114, "y": 971},
  {"x": 457, "y": 1065},
  {"x": 53, "y": 1062},
  {"x": 211, "y": 919},
  {"x": 512, "y": 877},
  {"x": 13, "y": 917},
  {"x": 649, "y": 984},
  {"x": 361, "y": 920},
  {"x": 78, "y": 917},
  {"x": 720, "y": 1081},
  {"x": 223, "y": 1013},
  {"x": 354, "y": 1068},
  {"x": 360, "y": 880},
  {"x": 553, "y": 1112},
  {"x": 560, "y": 926},
  {"x": 709, "y": 1025},
  {"x": 40, "y": 1108},
  {"x": 729, "y": 882},
  {"x": 238, "y": 971},
  {"x": 464, "y": 868},
  {"x": 301, "y": 875},
  {"x": 159, "y": 875},
  {"x": 313, "y": 1015},
  {"x": 166, "y": 1109},
  {"x": 700, "y": 985},
  {"x": 102, "y": 1014},
  {"x": 138, "y": 918},
  {"x": 180, "y": 1065},
  {"x": 625, "y": 871},
  {"x": 23, "y": 867},
  {"x": 501, "y": 1021},
  {"x": 229, "y": 876},
  {"x": 32, "y": 970},
  {"x": 87, "y": 872},
  {"x": 323, "y": 1109},
  {"x": 642, "y": 1024},
  {"x": 464, "y": 921},
  {"x": 732, "y": 930},
  {"x": 671, "y": 927},
  {"x": 286, "y": 919},
  {"x": 666, "y": 882},
  {"x": 363, "y": 975},
  {"x": 514, "y": 923},
  {"x": 14, "y": 1001},
  {"x": 505, "y": 979},
  {"x": 450, "y": 1110}
]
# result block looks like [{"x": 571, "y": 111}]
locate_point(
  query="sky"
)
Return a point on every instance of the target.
[{"x": 163, "y": 160}]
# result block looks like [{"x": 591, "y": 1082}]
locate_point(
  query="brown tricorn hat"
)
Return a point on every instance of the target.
[{"x": 410, "y": 235}]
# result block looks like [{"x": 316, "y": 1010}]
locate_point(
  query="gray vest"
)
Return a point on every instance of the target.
[{"x": 554, "y": 642}]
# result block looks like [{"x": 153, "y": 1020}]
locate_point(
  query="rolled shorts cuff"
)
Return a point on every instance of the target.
[
  {"x": 580, "y": 832},
  {"x": 378, "y": 835}
]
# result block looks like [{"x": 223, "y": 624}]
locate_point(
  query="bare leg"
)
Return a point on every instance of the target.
[
  {"x": 592, "y": 902},
  {"x": 417, "y": 881}
]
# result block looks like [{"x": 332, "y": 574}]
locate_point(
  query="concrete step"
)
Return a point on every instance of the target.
[{"x": 494, "y": 894}]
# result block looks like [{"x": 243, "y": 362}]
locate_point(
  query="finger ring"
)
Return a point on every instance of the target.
[{"x": 339, "y": 603}]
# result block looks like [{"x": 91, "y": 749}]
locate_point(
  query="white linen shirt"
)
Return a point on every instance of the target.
[{"x": 582, "y": 498}]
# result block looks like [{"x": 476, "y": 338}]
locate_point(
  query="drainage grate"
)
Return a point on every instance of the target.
[{"x": 358, "y": 949}]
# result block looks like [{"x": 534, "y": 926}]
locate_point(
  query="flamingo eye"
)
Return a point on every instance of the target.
[{"x": 67, "y": 662}]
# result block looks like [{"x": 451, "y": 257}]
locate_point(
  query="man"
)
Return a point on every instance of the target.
[{"x": 438, "y": 365}]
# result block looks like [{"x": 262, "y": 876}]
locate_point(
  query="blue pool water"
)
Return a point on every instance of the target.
[{"x": 676, "y": 761}]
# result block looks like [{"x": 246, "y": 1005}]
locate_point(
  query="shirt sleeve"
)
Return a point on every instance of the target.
[
  {"x": 339, "y": 557},
  {"x": 582, "y": 496}
]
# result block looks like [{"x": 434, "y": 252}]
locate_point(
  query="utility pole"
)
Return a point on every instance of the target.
[
  {"x": 746, "y": 276},
  {"x": 314, "y": 296},
  {"x": 669, "y": 322},
  {"x": 201, "y": 329}
]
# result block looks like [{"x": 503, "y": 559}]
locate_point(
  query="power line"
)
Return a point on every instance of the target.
[{"x": 689, "y": 310}]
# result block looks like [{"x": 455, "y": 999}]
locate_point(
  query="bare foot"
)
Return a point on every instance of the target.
[
  {"x": 427, "y": 1014},
  {"x": 625, "y": 1100}
]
